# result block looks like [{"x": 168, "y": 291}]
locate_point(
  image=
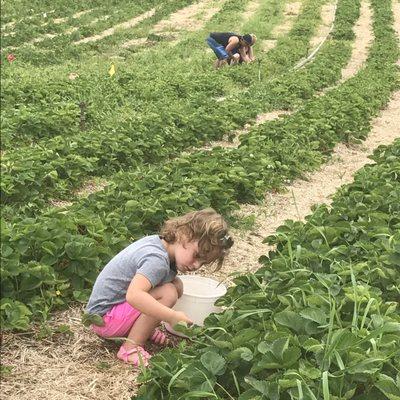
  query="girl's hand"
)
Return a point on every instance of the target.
[{"x": 179, "y": 316}]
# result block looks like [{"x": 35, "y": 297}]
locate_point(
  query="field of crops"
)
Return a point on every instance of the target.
[{"x": 113, "y": 120}]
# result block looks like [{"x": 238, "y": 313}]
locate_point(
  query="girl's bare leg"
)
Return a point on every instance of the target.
[{"x": 144, "y": 326}]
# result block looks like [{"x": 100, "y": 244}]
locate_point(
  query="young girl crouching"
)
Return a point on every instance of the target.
[{"x": 137, "y": 289}]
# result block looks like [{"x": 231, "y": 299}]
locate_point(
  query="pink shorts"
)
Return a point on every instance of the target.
[{"x": 118, "y": 321}]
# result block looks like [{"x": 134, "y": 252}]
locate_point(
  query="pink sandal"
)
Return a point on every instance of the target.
[
  {"x": 141, "y": 356},
  {"x": 159, "y": 337}
]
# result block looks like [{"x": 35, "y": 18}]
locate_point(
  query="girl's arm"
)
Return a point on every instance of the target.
[
  {"x": 138, "y": 296},
  {"x": 251, "y": 54},
  {"x": 243, "y": 54},
  {"x": 232, "y": 43}
]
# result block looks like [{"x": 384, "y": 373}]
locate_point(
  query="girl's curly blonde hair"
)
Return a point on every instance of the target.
[{"x": 205, "y": 226}]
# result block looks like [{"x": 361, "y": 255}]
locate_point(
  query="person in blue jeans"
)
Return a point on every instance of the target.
[{"x": 231, "y": 48}]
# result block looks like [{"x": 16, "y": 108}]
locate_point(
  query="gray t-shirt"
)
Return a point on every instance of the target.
[{"x": 146, "y": 256}]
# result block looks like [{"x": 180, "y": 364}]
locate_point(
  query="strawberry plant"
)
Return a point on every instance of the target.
[{"x": 316, "y": 321}]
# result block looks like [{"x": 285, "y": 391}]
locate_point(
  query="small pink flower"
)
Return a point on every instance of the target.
[{"x": 11, "y": 58}]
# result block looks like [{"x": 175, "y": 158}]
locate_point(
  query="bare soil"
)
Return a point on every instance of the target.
[
  {"x": 190, "y": 18},
  {"x": 187, "y": 19},
  {"x": 327, "y": 18},
  {"x": 364, "y": 38},
  {"x": 250, "y": 10},
  {"x": 292, "y": 10},
  {"x": 125, "y": 25}
]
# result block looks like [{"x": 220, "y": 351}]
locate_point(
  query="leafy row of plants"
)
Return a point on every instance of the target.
[
  {"x": 62, "y": 47},
  {"x": 132, "y": 88},
  {"x": 88, "y": 24},
  {"x": 62, "y": 250},
  {"x": 104, "y": 154},
  {"x": 130, "y": 92},
  {"x": 319, "y": 320},
  {"x": 27, "y": 10}
]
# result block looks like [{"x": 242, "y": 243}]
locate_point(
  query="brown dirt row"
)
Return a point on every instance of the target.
[
  {"x": 125, "y": 25},
  {"x": 190, "y": 18},
  {"x": 250, "y": 10},
  {"x": 327, "y": 18},
  {"x": 290, "y": 13},
  {"x": 364, "y": 38},
  {"x": 187, "y": 19}
]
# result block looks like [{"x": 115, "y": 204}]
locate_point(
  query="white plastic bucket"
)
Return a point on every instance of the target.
[{"x": 199, "y": 296}]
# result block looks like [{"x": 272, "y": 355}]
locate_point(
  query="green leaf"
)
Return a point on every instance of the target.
[
  {"x": 131, "y": 205},
  {"x": 312, "y": 345},
  {"x": 213, "y": 362},
  {"x": 92, "y": 319},
  {"x": 388, "y": 387},
  {"x": 263, "y": 347},
  {"x": 197, "y": 394},
  {"x": 250, "y": 394},
  {"x": 243, "y": 353},
  {"x": 268, "y": 389},
  {"x": 314, "y": 314},
  {"x": 291, "y": 320},
  {"x": 342, "y": 339},
  {"x": 279, "y": 346},
  {"x": 245, "y": 336},
  {"x": 290, "y": 356}
]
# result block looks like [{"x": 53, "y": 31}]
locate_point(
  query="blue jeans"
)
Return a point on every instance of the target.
[{"x": 217, "y": 48}]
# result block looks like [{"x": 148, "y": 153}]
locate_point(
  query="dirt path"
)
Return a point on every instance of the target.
[
  {"x": 74, "y": 366},
  {"x": 187, "y": 19},
  {"x": 125, "y": 25},
  {"x": 327, "y": 18},
  {"x": 250, "y": 10},
  {"x": 190, "y": 18},
  {"x": 364, "y": 38},
  {"x": 291, "y": 12}
]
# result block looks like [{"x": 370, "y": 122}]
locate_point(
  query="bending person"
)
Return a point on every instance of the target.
[{"x": 231, "y": 48}]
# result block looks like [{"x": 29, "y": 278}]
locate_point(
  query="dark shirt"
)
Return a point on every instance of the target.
[{"x": 223, "y": 37}]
